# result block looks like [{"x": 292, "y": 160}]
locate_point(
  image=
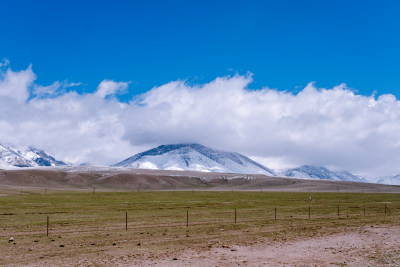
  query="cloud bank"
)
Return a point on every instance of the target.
[{"x": 335, "y": 127}]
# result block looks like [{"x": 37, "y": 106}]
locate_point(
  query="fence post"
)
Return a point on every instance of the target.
[
  {"x": 47, "y": 231},
  {"x": 275, "y": 213},
  {"x": 187, "y": 218},
  {"x": 338, "y": 211},
  {"x": 235, "y": 215},
  {"x": 126, "y": 221},
  {"x": 387, "y": 209}
]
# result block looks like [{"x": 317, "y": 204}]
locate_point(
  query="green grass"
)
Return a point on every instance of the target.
[
  {"x": 158, "y": 219},
  {"x": 157, "y": 208}
]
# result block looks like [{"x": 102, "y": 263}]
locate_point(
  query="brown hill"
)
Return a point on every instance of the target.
[{"x": 146, "y": 180}]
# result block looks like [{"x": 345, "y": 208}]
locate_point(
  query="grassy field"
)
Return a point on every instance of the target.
[{"x": 83, "y": 225}]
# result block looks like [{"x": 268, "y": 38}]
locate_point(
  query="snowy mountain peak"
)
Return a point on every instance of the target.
[
  {"x": 194, "y": 157},
  {"x": 41, "y": 158},
  {"x": 11, "y": 157},
  {"x": 313, "y": 172}
]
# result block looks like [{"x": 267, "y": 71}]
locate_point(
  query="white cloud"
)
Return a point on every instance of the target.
[
  {"x": 55, "y": 89},
  {"x": 107, "y": 87},
  {"x": 14, "y": 85},
  {"x": 335, "y": 127},
  {"x": 5, "y": 63}
]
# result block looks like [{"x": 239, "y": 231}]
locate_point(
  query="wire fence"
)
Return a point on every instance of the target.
[{"x": 56, "y": 222}]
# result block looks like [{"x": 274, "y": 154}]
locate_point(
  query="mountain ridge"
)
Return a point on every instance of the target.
[
  {"x": 393, "y": 180},
  {"x": 194, "y": 157},
  {"x": 32, "y": 157},
  {"x": 322, "y": 173}
]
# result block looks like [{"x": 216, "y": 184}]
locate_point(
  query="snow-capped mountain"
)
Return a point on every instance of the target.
[
  {"x": 194, "y": 157},
  {"x": 10, "y": 157},
  {"x": 41, "y": 158},
  {"x": 312, "y": 172},
  {"x": 393, "y": 180}
]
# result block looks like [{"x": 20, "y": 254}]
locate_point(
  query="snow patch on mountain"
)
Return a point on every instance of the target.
[
  {"x": 194, "y": 157},
  {"x": 313, "y": 172}
]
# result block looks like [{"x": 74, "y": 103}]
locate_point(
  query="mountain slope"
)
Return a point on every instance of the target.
[
  {"x": 312, "y": 172},
  {"x": 393, "y": 180},
  {"x": 41, "y": 158},
  {"x": 10, "y": 157},
  {"x": 194, "y": 157}
]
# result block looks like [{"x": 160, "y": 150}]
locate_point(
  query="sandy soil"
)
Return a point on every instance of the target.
[{"x": 367, "y": 246}]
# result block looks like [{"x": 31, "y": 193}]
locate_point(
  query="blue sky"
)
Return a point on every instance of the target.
[{"x": 285, "y": 44}]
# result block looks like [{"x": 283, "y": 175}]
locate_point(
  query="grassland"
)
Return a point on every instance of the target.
[{"x": 90, "y": 228}]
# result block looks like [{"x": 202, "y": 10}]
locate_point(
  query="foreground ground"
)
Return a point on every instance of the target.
[
  {"x": 197, "y": 228},
  {"x": 360, "y": 246}
]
